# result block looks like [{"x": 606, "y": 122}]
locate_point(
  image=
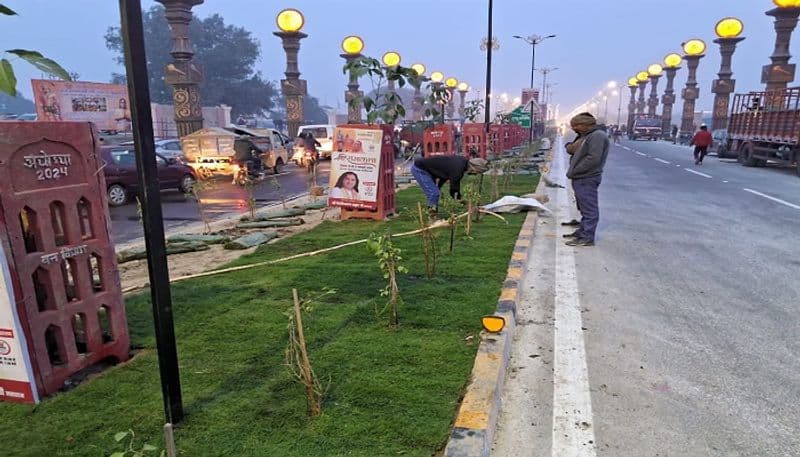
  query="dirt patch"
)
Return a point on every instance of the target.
[{"x": 134, "y": 274}]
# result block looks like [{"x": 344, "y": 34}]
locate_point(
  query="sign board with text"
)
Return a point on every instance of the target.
[{"x": 355, "y": 168}]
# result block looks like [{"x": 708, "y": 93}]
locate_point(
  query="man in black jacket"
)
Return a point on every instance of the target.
[
  {"x": 586, "y": 172},
  {"x": 432, "y": 172}
]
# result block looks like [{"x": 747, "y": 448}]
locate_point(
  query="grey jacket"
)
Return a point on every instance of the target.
[{"x": 589, "y": 160}]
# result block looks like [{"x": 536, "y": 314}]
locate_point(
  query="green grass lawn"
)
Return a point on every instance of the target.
[{"x": 389, "y": 391}]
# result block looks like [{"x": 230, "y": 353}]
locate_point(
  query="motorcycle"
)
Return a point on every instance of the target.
[{"x": 244, "y": 173}]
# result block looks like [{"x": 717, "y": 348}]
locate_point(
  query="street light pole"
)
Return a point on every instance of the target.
[
  {"x": 533, "y": 40},
  {"x": 728, "y": 30}
]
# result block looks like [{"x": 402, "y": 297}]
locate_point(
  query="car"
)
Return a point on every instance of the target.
[
  {"x": 122, "y": 181},
  {"x": 720, "y": 143},
  {"x": 169, "y": 148},
  {"x": 544, "y": 145}
]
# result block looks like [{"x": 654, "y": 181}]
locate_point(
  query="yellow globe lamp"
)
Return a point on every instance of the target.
[
  {"x": 786, "y": 3},
  {"x": 642, "y": 76},
  {"x": 655, "y": 70},
  {"x": 672, "y": 60},
  {"x": 633, "y": 82},
  {"x": 437, "y": 76},
  {"x": 694, "y": 47},
  {"x": 391, "y": 59},
  {"x": 352, "y": 45},
  {"x": 419, "y": 68},
  {"x": 463, "y": 87},
  {"x": 451, "y": 82},
  {"x": 290, "y": 20},
  {"x": 729, "y": 27}
]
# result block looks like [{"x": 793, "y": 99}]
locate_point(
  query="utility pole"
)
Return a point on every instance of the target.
[{"x": 545, "y": 71}]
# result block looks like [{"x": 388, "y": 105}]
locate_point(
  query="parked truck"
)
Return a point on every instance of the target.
[
  {"x": 765, "y": 127},
  {"x": 646, "y": 127}
]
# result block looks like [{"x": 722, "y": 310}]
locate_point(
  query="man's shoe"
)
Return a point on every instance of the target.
[
  {"x": 579, "y": 242},
  {"x": 572, "y": 223},
  {"x": 571, "y": 235}
]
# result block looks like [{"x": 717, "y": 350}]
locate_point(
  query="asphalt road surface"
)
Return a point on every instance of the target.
[
  {"x": 220, "y": 199},
  {"x": 677, "y": 334}
]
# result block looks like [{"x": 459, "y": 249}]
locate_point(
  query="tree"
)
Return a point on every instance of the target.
[
  {"x": 227, "y": 53},
  {"x": 8, "y": 81},
  {"x": 17, "y": 105}
]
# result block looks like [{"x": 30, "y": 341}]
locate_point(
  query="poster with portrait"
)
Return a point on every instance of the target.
[
  {"x": 104, "y": 104},
  {"x": 16, "y": 373},
  {"x": 355, "y": 168}
]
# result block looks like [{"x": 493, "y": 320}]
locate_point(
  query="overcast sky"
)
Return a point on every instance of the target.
[{"x": 596, "y": 41}]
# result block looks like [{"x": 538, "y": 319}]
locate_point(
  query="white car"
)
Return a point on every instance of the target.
[
  {"x": 170, "y": 148},
  {"x": 544, "y": 144}
]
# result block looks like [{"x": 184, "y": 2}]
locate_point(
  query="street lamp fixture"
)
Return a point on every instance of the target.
[
  {"x": 451, "y": 82},
  {"x": 633, "y": 82},
  {"x": 694, "y": 47},
  {"x": 655, "y": 70},
  {"x": 786, "y": 3},
  {"x": 290, "y": 20},
  {"x": 463, "y": 87},
  {"x": 729, "y": 32},
  {"x": 391, "y": 59},
  {"x": 418, "y": 68},
  {"x": 694, "y": 50},
  {"x": 672, "y": 63},
  {"x": 642, "y": 76},
  {"x": 672, "y": 60},
  {"x": 729, "y": 27},
  {"x": 352, "y": 45},
  {"x": 612, "y": 85},
  {"x": 437, "y": 76},
  {"x": 533, "y": 40}
]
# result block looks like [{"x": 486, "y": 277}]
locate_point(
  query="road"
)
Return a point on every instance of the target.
[
  {"x": 676, "y": 335},
  {"x": 220, "y": 199}
]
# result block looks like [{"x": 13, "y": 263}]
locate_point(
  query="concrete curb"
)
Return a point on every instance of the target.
[{"x": 473, "y": 429}]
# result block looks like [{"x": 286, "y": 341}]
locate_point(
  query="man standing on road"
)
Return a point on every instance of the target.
[
  {"x": 701, "y": 141},
  {"x": 432, "y": 172},
  {"x": 586, "y": 172}
]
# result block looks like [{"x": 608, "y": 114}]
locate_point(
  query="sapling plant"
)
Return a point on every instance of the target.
[
  {"x": 250, "y": 186},
  {"x": 277, "y": 186},
  {"x": 451, "y": 207},
  {"x": 428, "y": 238},
  {"x": 195, "y": 192},
  {"x": 297, "y": 358},
  {"x": 133, "y": 450},
  {"x": 471, "y": 194},
  {"x": 389, "y": 261}
]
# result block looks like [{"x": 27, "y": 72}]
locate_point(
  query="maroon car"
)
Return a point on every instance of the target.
[{"x": 122, "y": 181}]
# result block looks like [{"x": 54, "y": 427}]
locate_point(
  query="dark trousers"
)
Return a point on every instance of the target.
[
  {"x": 700, "y": 153},
  {"x": 586, "y": 197}
]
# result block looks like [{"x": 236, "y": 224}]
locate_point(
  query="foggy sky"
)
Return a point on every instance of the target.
[{"x": 597, "y": 40}]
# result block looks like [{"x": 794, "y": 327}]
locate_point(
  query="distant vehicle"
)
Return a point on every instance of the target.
[
  {"x": 272, "y": 143},
  {"x": 544, "y": 144},
  {"x": 170, "y": 148},
  {"x": 765, "y": 127},
  {"x": 720, "y": 144},
  {"x": 210, "y": 150},
  {"x": 323, "y": 134},
  {"x": 122, "y": 182},
  {"x": 646, "y": 127},
  {"x": 27, "y": 117}
]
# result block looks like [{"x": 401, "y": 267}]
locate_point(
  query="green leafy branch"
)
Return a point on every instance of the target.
[
  {"x": 130, "y": 451},
  {"x": 8, "y": 80},
  {"x": 389, "y": 261}
]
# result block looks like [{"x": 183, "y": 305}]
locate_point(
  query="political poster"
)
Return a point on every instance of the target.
[
  {"x": 104, "y": 104},
  {"x": 355, "y": 168}
]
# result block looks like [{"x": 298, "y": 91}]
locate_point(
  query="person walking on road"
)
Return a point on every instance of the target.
[
  {"x": 586, "y": 172},
  {"x": 701, "y": 141},
  {"x": 432, "y": 172}
]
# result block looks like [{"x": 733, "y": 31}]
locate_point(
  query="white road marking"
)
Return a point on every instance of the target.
[
  {"x": 640, "y": 153},
  {"x": 677, "y": 165},
  {"x": 777, "y": 200},
  {"x": 661, "y": 160},
  {"x": 573, "y": 429},
  {"x": 724, "y": 181},
  {"x": 698, "y": 173},
  {"x": 626, "y": 148}
]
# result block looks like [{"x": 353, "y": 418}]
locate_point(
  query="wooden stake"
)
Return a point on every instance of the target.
[{"x": 169, "y": 440}]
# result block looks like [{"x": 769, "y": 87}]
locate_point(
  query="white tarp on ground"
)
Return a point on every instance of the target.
[{"x": 512, "y": 204}]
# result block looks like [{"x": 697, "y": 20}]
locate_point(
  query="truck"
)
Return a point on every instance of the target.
[
  {"x": 765, "y": 127},
  {"x": 646, "y": 127}
]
